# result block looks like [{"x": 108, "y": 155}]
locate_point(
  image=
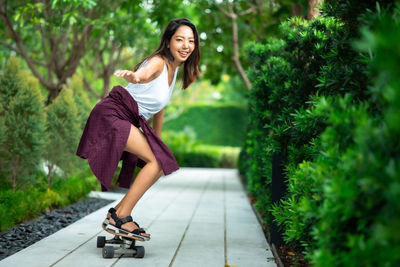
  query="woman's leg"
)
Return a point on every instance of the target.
[{"x": 138, "y": 145}]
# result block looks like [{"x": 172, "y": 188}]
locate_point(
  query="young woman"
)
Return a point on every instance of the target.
[{"x": 117, "y": 128}]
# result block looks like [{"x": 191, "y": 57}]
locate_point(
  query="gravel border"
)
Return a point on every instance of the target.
[{"x": 28, "y": 233}]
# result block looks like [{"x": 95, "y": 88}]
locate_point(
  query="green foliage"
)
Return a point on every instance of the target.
[
  {"x": 360, "y": 206},
  {"x": 23, "y": 116},
  {"x": 315, "y": 103},
  {"x": 63, "y": 128},
  {"x": 350, "y": 11},
  {"x": 191, "y": 153},
  {"x": 68, "y": 29},
  {"x": 81, "y": 99},
  {"x": 217, "y": 46},
  {"x": 307, "y": 181},
  {"x": 10, "y": 82},
  {"x": 24, "y": 137},
  {"x": 222, "y": 125},
  {"x": 287, "y": 75},
  {"x": 20, "y": 205}
]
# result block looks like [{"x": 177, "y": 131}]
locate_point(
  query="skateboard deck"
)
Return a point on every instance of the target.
[{"x": 122, "y": 233}]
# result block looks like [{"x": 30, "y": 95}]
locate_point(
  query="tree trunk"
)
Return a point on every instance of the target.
[
  {"x": 235, "y": 40},
  {"x": 14, "y": 173},
  {"x": 106, "y": 84},
  {"x": 313, "y": 10},
  {"x": 50, "y": 168},
  {"x": 297, "y": 10},
  {"x": 235, "y": 56}
]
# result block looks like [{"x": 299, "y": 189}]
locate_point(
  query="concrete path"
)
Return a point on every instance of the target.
[{"x": 196, "y": 217}]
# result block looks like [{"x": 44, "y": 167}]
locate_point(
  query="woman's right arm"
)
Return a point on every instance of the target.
[{"x": 150, "y": 71}]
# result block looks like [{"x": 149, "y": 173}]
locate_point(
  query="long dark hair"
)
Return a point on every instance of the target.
[{"x": 190, "y": 69}]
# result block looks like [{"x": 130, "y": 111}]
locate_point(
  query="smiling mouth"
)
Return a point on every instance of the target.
[{"x": 183, "y": 54}]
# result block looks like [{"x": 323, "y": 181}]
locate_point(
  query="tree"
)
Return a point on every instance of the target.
[
  {"x": 234, "y": 16},
  {"x": 66, "y": 29},
  {"x": 23, "y": 115},
  {"x": 63, "y": 37},
  {"x": 126, "y": 39},
  {"x": 229, "y": 25},
  {"x": 63, "y": 128}
]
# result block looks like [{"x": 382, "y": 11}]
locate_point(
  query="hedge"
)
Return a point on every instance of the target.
[{"x": 332, "y": 112}]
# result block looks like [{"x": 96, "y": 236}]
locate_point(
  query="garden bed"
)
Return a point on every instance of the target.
[{"x": 28, "y": 233}]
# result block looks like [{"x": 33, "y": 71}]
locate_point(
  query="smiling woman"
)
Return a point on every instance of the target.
[{"x": 118, "y": 127}]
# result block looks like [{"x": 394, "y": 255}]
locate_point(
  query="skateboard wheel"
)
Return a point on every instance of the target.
[
  {"x": 139, "y": 252},
  {"x": 101, "y": 241},
  {"x": 108, "y": 252}
]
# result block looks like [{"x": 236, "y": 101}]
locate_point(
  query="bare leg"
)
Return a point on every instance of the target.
[
  {"x": 138, "y": 145},
  {"x": 123, "y": 199}
]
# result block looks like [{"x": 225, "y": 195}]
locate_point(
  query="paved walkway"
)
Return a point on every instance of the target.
[{"x": 196, "y": 217}]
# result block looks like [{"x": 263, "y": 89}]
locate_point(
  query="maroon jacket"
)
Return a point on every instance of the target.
[{"x": 106, "y": 133}]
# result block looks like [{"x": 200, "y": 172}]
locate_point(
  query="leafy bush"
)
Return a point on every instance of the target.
[
  {"x": 287, "y": 73},
  {"x": 314, "y": 104},
  {"x": 23, "y": 119},
  {"x": 25, "y": 141},
  {"x": 361, "y": 207},
  {"x": 20, "y": 205},
  {"x": 63, "y": 128},
  {"x": 81, "y": 99},
  {"x": 191, "y": 153},
  {"x": 349, "y": 11},
  {"x": 222, "y": 125}
]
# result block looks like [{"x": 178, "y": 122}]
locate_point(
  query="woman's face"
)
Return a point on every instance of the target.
[{"x": 182, "y": 44}]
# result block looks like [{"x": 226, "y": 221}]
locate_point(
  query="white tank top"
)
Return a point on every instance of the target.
[{"x": 154, "y": 95}]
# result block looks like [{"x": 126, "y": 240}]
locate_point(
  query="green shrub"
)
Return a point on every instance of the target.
[
  {"x": 63, "y": 128},
  {"x": 23, "y": 116},
  {"x": 313, "y": 103},
  {"x": 286, "y": 74},
  {"x": 20, "y": 205},
  {"x": 361, "y": 206},
  {"x": 222, "y": 124},
  {"x": 81, "y": 99},
  {"x": 191, "y": 153},
  {"x": 219, "y": 156},
  {"x": 350, "y": 11},
  {"x": 307, "y": 181}
]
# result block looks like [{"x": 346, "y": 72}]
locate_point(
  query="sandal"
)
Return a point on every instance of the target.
[
  {"x": 117, "y": 230},
  {"x": 114, "y": 211}
]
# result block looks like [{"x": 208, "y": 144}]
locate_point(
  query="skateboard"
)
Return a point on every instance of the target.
[{"x": 120, "y": 245}]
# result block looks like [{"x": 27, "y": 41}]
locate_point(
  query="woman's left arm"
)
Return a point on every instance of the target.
[{"x": 158, "y": 119}]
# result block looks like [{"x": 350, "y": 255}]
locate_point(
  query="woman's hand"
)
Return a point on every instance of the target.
[{"x": 128, "y": 75}]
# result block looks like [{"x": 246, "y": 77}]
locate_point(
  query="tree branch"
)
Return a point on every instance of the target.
[
  {"x": 224, "y": 11},
  {"x": 248, "y": 11},
  {"x": 77, "y": 53},
  {"x": 235, "y": 40},
  {"x": 21, "y": 47},
  {"x": 235, "y": 56},
  {"x": 90, "y": 88},
  {"x": 64, "y": 43},
  {"x": 15, "y": 49}
]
